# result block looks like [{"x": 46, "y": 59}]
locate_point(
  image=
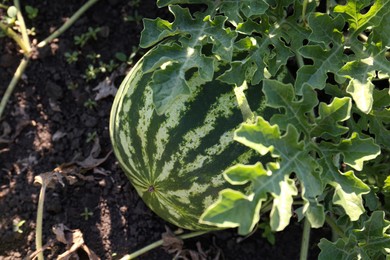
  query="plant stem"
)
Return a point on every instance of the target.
[
  {"x": 22, "y": 26},
  {"x": 335, "y": 228},
  {"x": 304, "y": 7},
  {"x": 159, "y": 243},
  {"x": 242, "y": 102},
  {"x": 15, "y": 79},
  {"x": 38, "y": 235},
  {"x": 68, "y": 23},
  {"x": 305, "y": 240},
  {"x": 19, "y": 41}
]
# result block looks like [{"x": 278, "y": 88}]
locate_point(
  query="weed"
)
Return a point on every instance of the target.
[
  {"x": 72, "y": 86},
  {"x": 94, "y": 57},
  {"x": 135, "y": 17},
  {"x": 17, "y": 224},
  {"x": 90, "y": 103},
  {"x": 82, "y": 39},
  {"x": 121, "y": 56},
  {"x": 72, "y": 57},
  {"x": 91, "y": 136},
  {"x": 86, "y": 214},
  {"x": 32, "y": 12}
]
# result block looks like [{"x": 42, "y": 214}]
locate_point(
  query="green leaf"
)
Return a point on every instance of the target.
[
  {"x": 342, "y": 249},
  {"x": 356, "y": 150},
  {"x": 183, "y": 52},
  {"x": 280, "y": 37},
  {"x": 370, "y": 241},
  {"x": 360, "y": 86},
  {"x": 282, "y": 190},
  {"x": 370, "y": 54},
  {"x": 325, "y": 60},
  {"x": 263, "y": 137},
  {"x": 169, "y": 64},
  {"x": 326, "y": 51},
  {"x": 280, "y": 95},
  {"x": 351, "y": 202},
  {"x": 330, "y": 116},
  {"x": 192, "y": 31},
  {"x": 326, "y": 30},
  {"x": 379, "y": 126},
  {"x": 357, "y": 18},
  {"x": 239, "y": 10},
  {"x": 227, "y": 211},
  {"x": 283, "y": 200},
  {"x": 386, "y": 186},
  {"x": 154, "y": 31}
]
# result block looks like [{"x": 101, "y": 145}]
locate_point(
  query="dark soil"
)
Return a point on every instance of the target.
[{"x": 48, "y": 123}]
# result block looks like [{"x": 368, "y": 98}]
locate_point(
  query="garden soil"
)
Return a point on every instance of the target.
[{"x": 57, "y": 121}]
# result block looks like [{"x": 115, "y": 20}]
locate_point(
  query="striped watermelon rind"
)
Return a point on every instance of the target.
[{"x": 175, "y": 160}]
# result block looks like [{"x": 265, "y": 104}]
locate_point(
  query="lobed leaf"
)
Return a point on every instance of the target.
[
  {"x": 238, "y": 10},
  {"x": 169, "y": 64},
  {"x": 227, "y": 212},
  {"x": 356, "y": 150},
  {"x": 330, "y": 116},
  {"x": 369, "y": 242}
]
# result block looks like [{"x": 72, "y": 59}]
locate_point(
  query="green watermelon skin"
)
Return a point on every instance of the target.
[{"x": 175, "y": 160}]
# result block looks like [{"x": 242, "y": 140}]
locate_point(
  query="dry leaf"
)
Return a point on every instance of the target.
[
  {"x": 48, "y": 179},
  {"x": 171, "y": 243},
  {"x": 4, "y": 137},
  {"x": 92, "y": 161},
  {"x": 73, "y": 239},
  {"x": 106, "y": 88},
  {"x": 57, "y": 135}
]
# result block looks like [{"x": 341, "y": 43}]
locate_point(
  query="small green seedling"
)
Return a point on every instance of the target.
[
  {"x": 72, "y": 57},
  {"x": 90, "y": 104},
  {"x": 86, "y": 214},
  {"x": 16, "y": 227},
  {"x": 82, "y": 39},
  {"x": 91, "y": 136},
  {"x": 32, "y": 12},
  {"x": 134, "y": 17},
  {"x": 122, "y": 57},
  {"x": 91, "y": 72},
  {"x": 73, "y": 86},
  {"x": 92, "y": 33},
  {"x": 94, "y": 57},
  {"x": 11, "y": 15}
]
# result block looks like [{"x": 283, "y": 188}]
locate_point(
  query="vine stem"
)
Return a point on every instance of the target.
[
  {"x": 335, "y": 228},
  {"x": 242, "y": 102},
  {"x": 38, "y": 234},
  {"x": 304, "y": 7},
  {"x": 15, "y": 79},
  {"x": 67, "y": 24},
  {"x": 19, "y": 41},
  {"x": 23, "y": 28},
  {"x": 305, "y": 240},
  {"x": 159, "y": 243}
]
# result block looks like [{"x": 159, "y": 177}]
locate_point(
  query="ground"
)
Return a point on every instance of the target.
[{"x": 56, "y": 117}]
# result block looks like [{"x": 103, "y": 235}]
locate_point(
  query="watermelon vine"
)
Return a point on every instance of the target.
[{"x": 311, "y": 80}]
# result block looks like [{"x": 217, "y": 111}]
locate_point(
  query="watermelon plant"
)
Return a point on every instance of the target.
[{"x": 260, "y": 110}]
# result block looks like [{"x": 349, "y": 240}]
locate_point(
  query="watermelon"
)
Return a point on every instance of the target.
[{"x": 175, "y": 161}]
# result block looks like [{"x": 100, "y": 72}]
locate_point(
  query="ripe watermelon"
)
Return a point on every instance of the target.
[{"x": 175, "y": 160}]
